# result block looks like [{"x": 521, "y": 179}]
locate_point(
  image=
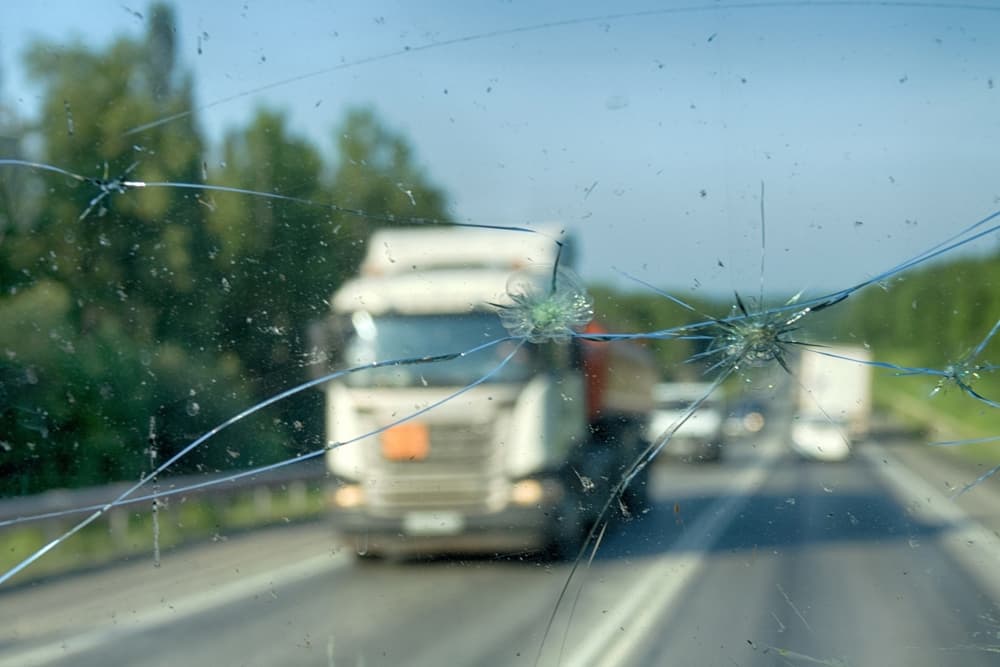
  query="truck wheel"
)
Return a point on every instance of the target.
[
  {"x": 369, "y": 557},
  {"x": 566, "y": 532}
]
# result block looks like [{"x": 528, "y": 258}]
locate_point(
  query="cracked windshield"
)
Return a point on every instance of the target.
[{"x": 500, "y": 333}]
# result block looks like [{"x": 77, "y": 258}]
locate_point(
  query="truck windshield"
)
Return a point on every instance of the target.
[{"x": 408, "y": 336}]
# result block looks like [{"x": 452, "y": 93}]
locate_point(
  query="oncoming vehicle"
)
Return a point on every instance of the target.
[
  {"x": 700, "y": 438},
  {"x": 505, "y": 465},
  {"x": 745, "y": 417}
]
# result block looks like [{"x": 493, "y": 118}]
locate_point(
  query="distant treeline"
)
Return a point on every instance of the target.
[{"x": 930, "y": 316}]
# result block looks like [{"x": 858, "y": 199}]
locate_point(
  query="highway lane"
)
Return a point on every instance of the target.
[
  {"x": 763, "y": 560},
  {"x": 823, "y": 567}
]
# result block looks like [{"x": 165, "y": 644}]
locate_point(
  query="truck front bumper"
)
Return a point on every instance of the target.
[
  {"x": 434, "y": 532},
  {"x": 526, "y": 523}
]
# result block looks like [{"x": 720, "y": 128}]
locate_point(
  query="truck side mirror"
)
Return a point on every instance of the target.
[{"x": 326, "y": 339}]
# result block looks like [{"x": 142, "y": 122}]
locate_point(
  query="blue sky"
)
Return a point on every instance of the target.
[{"x": 875, "y": 129}]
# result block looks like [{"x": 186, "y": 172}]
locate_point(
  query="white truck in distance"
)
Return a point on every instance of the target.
[
  {"x": 833, "y": 402},
  {"x": 518, "y": 463}
]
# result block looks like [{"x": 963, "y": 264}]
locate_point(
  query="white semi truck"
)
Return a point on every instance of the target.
[
  {"x": 518, "y": 463},
  {"x": 833, "y": 403}
]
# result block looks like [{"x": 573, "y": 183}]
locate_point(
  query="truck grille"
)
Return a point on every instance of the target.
[{"x": 461, "y": 472}]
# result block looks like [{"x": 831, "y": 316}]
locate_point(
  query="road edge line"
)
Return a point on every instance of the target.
[{"x": 970, "y": 543}]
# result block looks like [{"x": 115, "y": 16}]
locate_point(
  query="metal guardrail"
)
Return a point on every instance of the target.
[{"x": 68, "y": 500}]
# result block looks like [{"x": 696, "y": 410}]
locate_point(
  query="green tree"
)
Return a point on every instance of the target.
[
  {"x": 376, "y": 173},
  {"x": 93, "y": 302},
  {"x": 147, "y": 244},
  {"x": 168, "y": 310},
  {"x": 927, "y": 317},
  {"x": 277, "y": 261}
]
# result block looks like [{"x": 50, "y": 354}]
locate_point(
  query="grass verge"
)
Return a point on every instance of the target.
[{"x": 948, "y": 415}]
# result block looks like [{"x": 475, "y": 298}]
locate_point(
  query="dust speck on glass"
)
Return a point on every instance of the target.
[{"x": 599, "y": 334}]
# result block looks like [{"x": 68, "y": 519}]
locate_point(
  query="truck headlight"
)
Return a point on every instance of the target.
[
  {"x": 753, "y": 422},
  {"x": 535, "y": 491},
  {"x": 348, "y": 495}
]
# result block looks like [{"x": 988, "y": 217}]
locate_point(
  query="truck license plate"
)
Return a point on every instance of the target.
[{"x": 433, "y": 523}]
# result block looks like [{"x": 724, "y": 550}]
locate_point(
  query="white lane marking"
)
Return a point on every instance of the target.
[
  {"x": 181, "y": 608},
  {"x": 628, "y": 626},
  {"x": 975, "y": 547}
]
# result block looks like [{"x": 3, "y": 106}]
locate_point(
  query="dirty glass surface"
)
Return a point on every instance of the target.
[{"x": 207, "y": 457}]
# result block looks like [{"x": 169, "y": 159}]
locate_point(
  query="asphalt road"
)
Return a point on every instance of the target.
[{"x": 761, "y": 560}]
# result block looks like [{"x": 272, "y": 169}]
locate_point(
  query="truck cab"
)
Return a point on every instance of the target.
[{"x": 468, "y": 452}]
